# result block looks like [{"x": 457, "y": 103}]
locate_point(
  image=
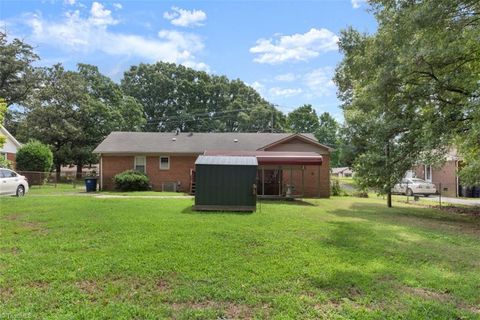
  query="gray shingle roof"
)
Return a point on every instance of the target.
[
  {"x": 227, "y": 160},
  {"x": 168, "y": 142}
]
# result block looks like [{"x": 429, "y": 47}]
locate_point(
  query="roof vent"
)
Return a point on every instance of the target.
[
  {"x": 235, "y": 140},
  {"x": 174, "y": 139}
]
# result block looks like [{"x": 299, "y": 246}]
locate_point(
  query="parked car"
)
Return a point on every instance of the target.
[
  {"x": 414, "y": 186},
  {"x": 13, "y": 184}
]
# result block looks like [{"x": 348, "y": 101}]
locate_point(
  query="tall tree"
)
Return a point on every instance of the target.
[
  {"x": 303, "y": 119},
  {"x": 327, "y": 132},
  {"x": 73, "y": 111},
  {"x": 177, "y": 97},
  {"x": 17, "y": 75}
]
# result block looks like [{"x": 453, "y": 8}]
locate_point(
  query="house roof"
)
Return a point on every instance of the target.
[
  {"x": 4, "y": 131},
  {"x": 227, "y": 160},
  {"x": 340, "y": 169},
  {"x": 167, "y": 142}
]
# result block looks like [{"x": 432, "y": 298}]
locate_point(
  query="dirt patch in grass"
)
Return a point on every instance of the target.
[
  {"x": 228, "y": 310},
  {"x": 6, "y": 293},
  {"x": 12, "y": 217},
  {"x": 13, "y": 250},
  {"x": 427, "y": 294}
]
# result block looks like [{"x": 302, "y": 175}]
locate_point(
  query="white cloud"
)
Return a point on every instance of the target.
[
  {"x": 319, "y": 82},
  {"x": 296, "y": 47},
  {"x": 70, "y": 2},
  {"x": 100, "y": 16},
  {"x": 287, "y": 77},
  {"x": 358, "y": 3},
  {"x": 284, "y": 92},
  {"x": 185, "y": 18},
  {"x": 75, "y": 33},
  {"x": 118, "y": 6}
]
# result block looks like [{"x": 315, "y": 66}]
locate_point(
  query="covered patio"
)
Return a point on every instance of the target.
[{"x": 283, "y": 175}]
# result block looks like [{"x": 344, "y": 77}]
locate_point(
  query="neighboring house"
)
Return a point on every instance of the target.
[
  {"x": 445, "y": 177},
  {"x": 294, "y": 164},
  {"x": 11, "y": 146},
  {"x": 343, "y": 172}
]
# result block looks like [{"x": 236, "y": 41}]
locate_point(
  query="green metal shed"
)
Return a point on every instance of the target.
[{"x": 225, "y": 183}]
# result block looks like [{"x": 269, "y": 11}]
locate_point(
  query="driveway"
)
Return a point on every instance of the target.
[{"x": 466, "y": 202}]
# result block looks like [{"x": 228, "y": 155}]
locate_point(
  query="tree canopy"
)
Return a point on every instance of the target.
[
  {"x": 410, "y": 91},
  {"x": 177, "y": 97}
]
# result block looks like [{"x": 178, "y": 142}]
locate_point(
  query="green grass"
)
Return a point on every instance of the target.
[
  {"x": 74, "y": 257},
  {"x": 68, "y": 189}
]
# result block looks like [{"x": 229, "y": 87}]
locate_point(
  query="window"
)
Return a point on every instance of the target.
[
  {"x": 428, "y": 173},
  {"x": 8, "y": 174},
  {"x": 140, "y": 164},
  {"x": 164, "y": 162}
]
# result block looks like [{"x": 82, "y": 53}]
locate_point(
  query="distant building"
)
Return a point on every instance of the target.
[
  {"x": 342, "y": 172},
  {"x": 11, "y": 146}
]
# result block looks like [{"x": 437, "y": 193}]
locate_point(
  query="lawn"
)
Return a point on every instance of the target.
[
  {"x": 71, "y": 189},
  {"x": 69, "y": 257}
]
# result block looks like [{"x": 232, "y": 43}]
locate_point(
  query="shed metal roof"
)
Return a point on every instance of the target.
[{"x": 227, "y": 160}]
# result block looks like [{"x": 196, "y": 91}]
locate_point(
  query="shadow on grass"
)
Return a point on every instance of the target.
[
  {"x": 405, "y": 215},
  {"x": 189, "y": 210},
  {"x": 294, "y": 202}
]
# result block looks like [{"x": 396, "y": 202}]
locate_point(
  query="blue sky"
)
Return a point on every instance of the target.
[{"x": 286, "y": 50}]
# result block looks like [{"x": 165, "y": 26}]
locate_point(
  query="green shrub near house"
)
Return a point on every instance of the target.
[
  {"x": 34, "y": 156},
  {"x": 131, "y": 180}
]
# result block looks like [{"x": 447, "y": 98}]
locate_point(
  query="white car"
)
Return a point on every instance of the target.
[
  {"x": 414, "y": 186},
  {"x": 12, "y": 184}
]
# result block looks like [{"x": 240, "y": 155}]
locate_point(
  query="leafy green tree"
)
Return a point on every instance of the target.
[
  {"x": 73, "y": 112},
  {"x": 17, "y": 75},
  {"x": 177, "y": 97},
  {"x": 303, "y": 119},
  {"x": 327, "y": 132},
  {"x": 34, "y": 156},
  {"x": 51, "y": 112},
  {"x": 438, "y": 63}
]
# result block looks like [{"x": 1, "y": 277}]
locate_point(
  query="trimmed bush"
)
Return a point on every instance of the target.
[
  {"x": 34, "y": 156},
  {"x": 131, "y": 180}
]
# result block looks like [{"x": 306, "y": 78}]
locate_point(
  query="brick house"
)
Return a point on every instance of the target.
[
  {"x": 169, "y": 159},
  {"x": 445, "y": 175},
  {"x": 11, "y": 146}
]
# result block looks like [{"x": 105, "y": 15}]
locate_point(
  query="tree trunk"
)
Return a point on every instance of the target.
[
  {"x": 58, "y": 167},
  {"x": 389, "y": 199},
  {"x": 79, "y": 171}
]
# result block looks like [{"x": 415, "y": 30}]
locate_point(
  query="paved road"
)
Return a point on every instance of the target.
[{"x": 467, "y": 202}]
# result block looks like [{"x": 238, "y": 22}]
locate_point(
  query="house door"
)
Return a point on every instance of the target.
[{"x": 269, "y": 182}]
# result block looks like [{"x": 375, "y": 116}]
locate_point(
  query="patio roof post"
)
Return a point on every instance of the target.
[
  {"x": 280, "y": 178},
  {"x": 303, "y": 181},
  {"x": 318, "y": 182},
  {"x": 263, "y": 181}
]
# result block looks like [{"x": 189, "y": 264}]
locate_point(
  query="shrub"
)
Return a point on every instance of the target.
[
  {"x": 34, "y": 156},
  {"x": 131, "y": 180},
  {"x": 4, "y": 163},
  {"x": 335, "y": 188}
]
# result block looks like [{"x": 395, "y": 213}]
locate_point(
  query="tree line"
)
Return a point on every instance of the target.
[{"x": 72, "y": 111}]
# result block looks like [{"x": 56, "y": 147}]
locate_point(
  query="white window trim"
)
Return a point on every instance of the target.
[
  {"x": 160, "y": 162},
  {"x": 429, "y": 169},
  {"x": 144, "y": 162}
]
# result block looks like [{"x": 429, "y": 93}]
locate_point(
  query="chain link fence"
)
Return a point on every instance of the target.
[{"x": 38, "y": 179}]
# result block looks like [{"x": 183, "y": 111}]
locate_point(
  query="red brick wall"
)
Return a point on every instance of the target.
[
  {"x": 11, "y": 157},
  {"x": 446, "y": 175},
  {"x": 111, "y": 165},
  {"x": 179, "y": 170}
]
